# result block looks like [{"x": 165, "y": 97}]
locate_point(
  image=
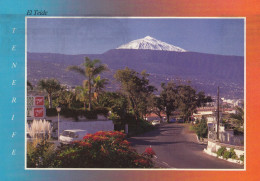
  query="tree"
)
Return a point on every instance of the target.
[
  {"x": 158, "y": 106},
  {"x": 238, "y": 117},
  {"x": 50, "y": 86},
  {"x": 202, "y": 99},
  {"x": 169, "y": 98},
  {"x": 66, "y": 98},
  {"x": 82, "y": 94},
  {"x": 29, "y": 85},
  {"x": 187, "y": 101},
  {"x": 99, "y": 85},
  {"x": 137, "y": 89},
  {"x": 202, "y": 128},
  {"x": 118, "y": 104},
  {"x": 91, "y": 69}
]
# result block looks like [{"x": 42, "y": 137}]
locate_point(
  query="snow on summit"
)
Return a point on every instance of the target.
[{"x": 150, "y": 43}]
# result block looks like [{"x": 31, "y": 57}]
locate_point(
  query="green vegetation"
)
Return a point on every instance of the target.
[
  {"x": 181, "y": 98},
  {"x": 201, "y": 128},
  {"x": 130, "y": 105},
  {"x": 237, "y": 120},
  {"x": 137, "y": 90},
  {"x": 241, "y": 158},
  {"x": 104, "y": 149},
  {"x": 51, "y": 86},
  {"x": 222, "y": 151},
  {"x": 29, "y": 85},
  {"x": 169, "y": 99},
  {"x": 40, "y": 154},
  {"x": 91, "y": 69}
]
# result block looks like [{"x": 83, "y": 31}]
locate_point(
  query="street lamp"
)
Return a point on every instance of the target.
[{"x": 58, "y": 111}]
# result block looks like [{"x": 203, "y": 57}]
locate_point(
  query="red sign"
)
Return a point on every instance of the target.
[
  {"x": 38, "y": 112},
  {"x": 39, "y": 101}
]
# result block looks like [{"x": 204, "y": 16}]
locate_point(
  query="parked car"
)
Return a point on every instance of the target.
[
  {"x": 180, "y": 121},
  {"x": 156, "y": 122},
  {"x": 68, "y": 136},
  {"x": 173, "y": 120}
]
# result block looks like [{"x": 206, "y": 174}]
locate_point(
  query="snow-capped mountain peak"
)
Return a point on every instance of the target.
[{"x": 150, "y": 43}]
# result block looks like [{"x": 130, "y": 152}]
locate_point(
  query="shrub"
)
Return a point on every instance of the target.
[
  {"x": 221, "y": 151},
  {"x": 51, "y": 112},
  {"x": 141, "y": 127},
  {"x": 149, "y": 152},
  {"x": 238, "y": 131},
  {"x": 202, "y": 128},
  {"x": 40, "y": 154},
  {"x": 233, "y": 154},
  {"x": 192, "y": 128},
  {"x": 102, "y": 110},
  {"x": 102, "y": 150},
  {"x": 39, "y": 129},
  {"x": 241, "y": 158},
  {"x": 226, "y": 155}
]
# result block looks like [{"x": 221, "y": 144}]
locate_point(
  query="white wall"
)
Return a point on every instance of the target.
[
  {"x": 89, "y": 126},
  {"x": 213, "y": 147}
]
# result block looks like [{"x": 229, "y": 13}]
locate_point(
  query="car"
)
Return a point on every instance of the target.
[
  {"x": 180, "y": 121},
  {"x": 156, "y": 122},
  {"x": 173, "y": 120},
  {"x": 68, "y": 136}
]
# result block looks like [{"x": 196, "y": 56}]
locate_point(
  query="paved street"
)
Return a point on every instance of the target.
[{"x": 175, "y": 147}]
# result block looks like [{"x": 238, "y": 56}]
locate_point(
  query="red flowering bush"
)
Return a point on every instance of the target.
[
  {"x": 104, "y": 149},
  {"x": 149, "y": 152}
]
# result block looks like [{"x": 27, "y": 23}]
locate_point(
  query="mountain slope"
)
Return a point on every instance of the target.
[
  {"x": 150, "y": 43},
  {"x": 206, "y": 71}
]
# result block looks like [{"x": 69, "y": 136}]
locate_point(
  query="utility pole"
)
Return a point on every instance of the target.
[{"x": 218, "y": 116}]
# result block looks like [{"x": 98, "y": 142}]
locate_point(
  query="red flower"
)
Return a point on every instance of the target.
[
  {"x": 141, "y": 161},
  {"x": 125, "y": 142},
  {"x": 83, "y": 143},
  {"x": 87, "y": 136},
  {"x": 149, "y": 152}
]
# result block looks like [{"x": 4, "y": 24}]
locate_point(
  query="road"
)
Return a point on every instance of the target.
[{"x": 175, "y": 147}]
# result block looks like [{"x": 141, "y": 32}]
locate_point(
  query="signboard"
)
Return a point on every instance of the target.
[
  {"x": 39, "y": 101},
  {"x": 35, "y": 107}
]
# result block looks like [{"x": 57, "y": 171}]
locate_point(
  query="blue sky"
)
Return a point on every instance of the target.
[{"x": 91, "y": 36}]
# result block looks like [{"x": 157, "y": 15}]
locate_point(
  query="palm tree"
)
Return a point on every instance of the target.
[
  {"x": 29, "y": 85},
  {"x": 50, "y": 86},
  {"x": 66, "y": 97},
  {"x": 91, "y": 69},
  {"x": 81, "y": 94},
  {"x": 99, "y": 85}
]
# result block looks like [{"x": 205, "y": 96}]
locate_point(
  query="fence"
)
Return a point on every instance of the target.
[{"x": 227, "y": 138}]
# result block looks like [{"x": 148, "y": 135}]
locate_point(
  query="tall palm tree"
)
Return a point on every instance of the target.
[
  {"x": 91, "y": 69},
  {"x": 99, "y": 85},
  {"x": 50, "y": 86}
]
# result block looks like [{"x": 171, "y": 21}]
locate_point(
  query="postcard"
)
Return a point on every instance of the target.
[{"x": 142, "y": 97}]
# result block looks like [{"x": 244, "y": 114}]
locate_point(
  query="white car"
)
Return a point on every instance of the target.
[
  {"x": 68, "y": 136},
  {"x": 156, "y": 122}
]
